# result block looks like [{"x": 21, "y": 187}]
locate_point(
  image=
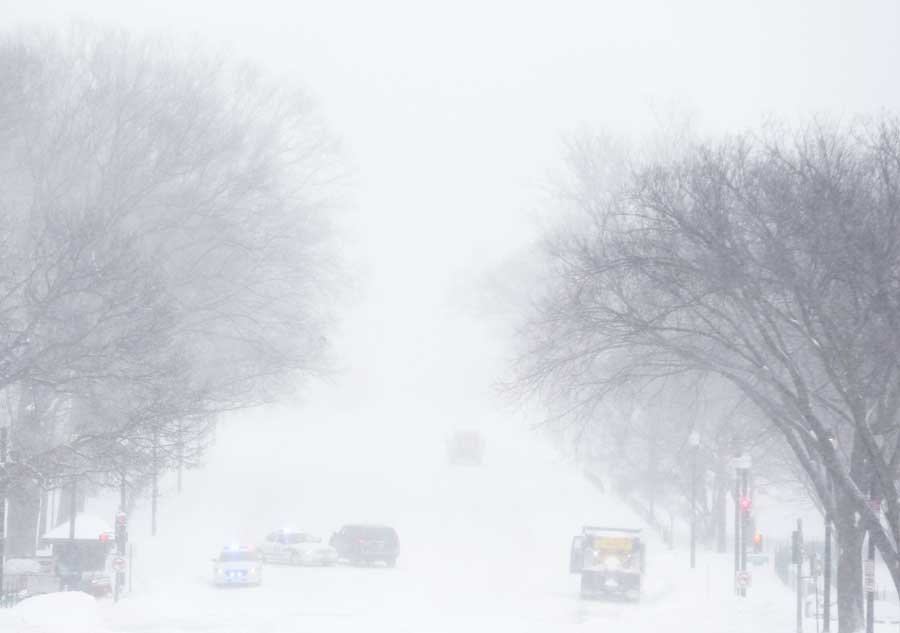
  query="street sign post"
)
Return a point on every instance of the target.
[
  {"x": 119, "y": 564},
  {"x": 743, "y": 579}
]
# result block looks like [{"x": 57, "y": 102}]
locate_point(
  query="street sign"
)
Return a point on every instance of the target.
[
  {"x": 742, "y": 579},
  {"x": 869, "y": 576},
  {"x": 118, "y": 563},
  {"x": 121, "y": 518},
  {"x": 875, "y": 504}
]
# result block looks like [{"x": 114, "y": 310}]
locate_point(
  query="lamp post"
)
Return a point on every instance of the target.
[
  {"x": 826, "y": 563},
  {"x": 694, "y": 441}
]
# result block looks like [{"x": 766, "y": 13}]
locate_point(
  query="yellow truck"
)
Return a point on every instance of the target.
[{"x": 610, "y": 561}]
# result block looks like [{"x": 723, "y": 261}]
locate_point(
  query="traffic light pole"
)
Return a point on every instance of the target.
[
  {"x": 745, "y": 521},
  {"x": 798, "y": 559},
  {"x": 694, "y": 508},
  {"x": 737, "y": 528},
  {"x": 3, "y": 439},
  {"x": 826, "y": 563}
]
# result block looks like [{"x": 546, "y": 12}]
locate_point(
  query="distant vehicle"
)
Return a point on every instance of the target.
[
  {"x": 367, "y": 544},
  {"x": 610, "y": 561},
  {"x": 465, "y": 448},
  {"x": 237, "y": 566},
  {"x": 297, "y": 548}
]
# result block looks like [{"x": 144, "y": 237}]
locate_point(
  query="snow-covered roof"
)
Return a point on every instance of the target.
[{"x": 87, "y": 528}]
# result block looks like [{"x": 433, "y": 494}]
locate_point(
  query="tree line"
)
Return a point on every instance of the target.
[
  {"x": 760, "y": 269},
  {"x": 165, "y": 256}
]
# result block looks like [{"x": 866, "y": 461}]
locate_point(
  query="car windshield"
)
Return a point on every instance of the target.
[{"x": 234, "y": 556}]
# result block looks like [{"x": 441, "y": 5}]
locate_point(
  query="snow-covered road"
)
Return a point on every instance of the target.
[{"x": 482, "y": 549}]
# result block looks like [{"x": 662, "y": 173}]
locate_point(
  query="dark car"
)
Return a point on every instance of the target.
[{"x": 367, "y": 544}]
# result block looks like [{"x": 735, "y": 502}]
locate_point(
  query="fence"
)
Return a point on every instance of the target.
[{"x": 14, "y": 589}]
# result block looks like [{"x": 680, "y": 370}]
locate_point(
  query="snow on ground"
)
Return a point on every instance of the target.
[
  {"x": 482, "y": 549},
  {"x": 70, "y": 612}
]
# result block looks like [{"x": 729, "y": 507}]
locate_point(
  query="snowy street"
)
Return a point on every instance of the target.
[{"x": 482, "y": 549}]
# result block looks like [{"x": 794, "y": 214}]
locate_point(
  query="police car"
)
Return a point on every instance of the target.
[{"x": 237, "y": 565}]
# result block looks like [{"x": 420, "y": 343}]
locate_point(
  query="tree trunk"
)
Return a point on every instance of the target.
[
  {"x": 849, "y": 577},
  {"x": 720, "y": 510}
]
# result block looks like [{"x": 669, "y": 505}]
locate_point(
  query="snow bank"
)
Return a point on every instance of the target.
[{"x": 65, "y": 612}]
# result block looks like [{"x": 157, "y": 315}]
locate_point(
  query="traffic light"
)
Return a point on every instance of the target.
[
  {"x": 746, "y": 504},
  {"x": 757, "y": 543}
]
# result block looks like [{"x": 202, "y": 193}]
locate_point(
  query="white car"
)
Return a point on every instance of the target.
[
  {"x": 297, "y": 548},
  {"x": 237, "y": 566}
]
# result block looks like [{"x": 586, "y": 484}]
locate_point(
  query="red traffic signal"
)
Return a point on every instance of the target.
[
  {"x": 104, "y": 538},
  {"x": 746, "y": 504},
  {"x": 757, "y": 538}
]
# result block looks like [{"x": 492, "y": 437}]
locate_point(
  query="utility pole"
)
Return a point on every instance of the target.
[
  {"x": 154, "y": 494},
  {"x": 180, "y": 449},
  {"x": 73, "y": 508},
  {"x": 119, "y": 561},
  {"x": 694, "y": 441},
  {"x": 745, "y": 519},
  {"x": 826, "y": 563},
  {"x": 4, "y": 438},
  {"x": 737, "y": 528},
  {"x": 741, "y": 524},
  {"x": 797, "y": 550}
]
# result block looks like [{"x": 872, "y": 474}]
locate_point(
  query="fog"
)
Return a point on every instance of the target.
[
  {"x": 452, "y": 116},
  {"x": 454, "y": 125}
]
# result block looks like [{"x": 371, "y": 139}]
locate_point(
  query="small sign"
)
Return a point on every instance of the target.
[
  {"x": 869, "y": 576},
  {"x": 118, "y": 563},
  {"x": 875, "y": 504},
  {"x": 121, "y": 518},
  {"x": 742, "y": 579}
]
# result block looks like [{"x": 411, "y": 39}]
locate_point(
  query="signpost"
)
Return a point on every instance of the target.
[
  {"x": 118, "y": 562},
  {"x": 743, "y": 579}
]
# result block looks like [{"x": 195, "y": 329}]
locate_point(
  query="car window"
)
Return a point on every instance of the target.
[{"x": 292, "y": 539}]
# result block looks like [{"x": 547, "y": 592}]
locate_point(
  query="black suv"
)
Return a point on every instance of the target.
[{"x": 366, "y": 544}]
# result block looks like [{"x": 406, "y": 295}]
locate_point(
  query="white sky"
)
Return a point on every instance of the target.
[{"x": 452, "y": 112}]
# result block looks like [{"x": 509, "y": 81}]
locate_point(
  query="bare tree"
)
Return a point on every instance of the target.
[
  {"x": 166, "y": 246},
  {"x": 772, "y": 262}
]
